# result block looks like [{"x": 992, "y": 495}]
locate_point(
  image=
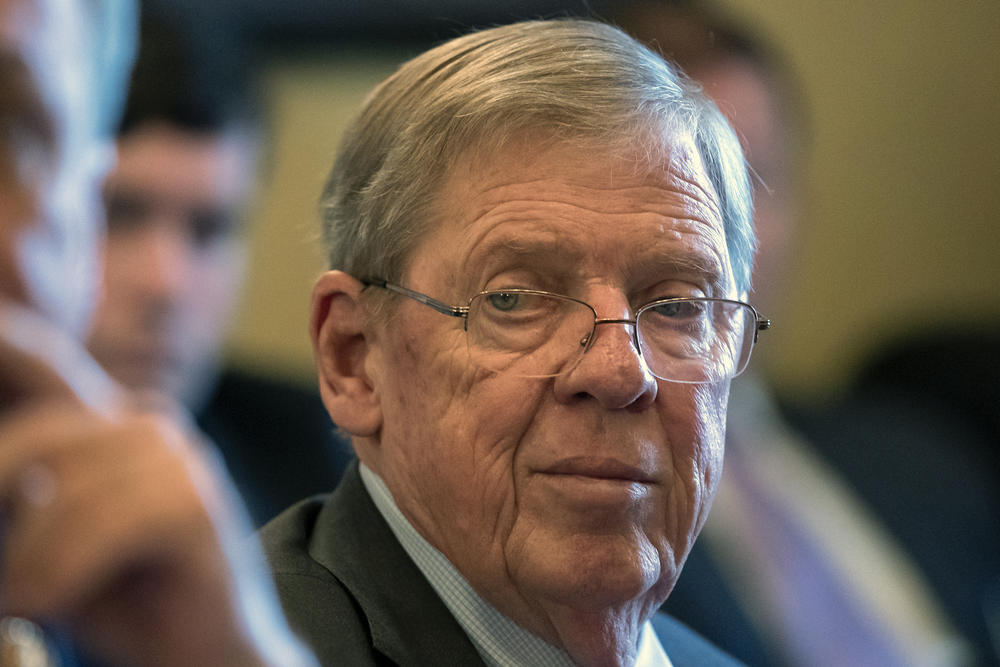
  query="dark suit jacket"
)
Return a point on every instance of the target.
[{"x": 351, "y": 591}]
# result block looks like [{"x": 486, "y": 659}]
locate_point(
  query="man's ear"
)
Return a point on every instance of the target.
[{"x": 341, "y": 349}]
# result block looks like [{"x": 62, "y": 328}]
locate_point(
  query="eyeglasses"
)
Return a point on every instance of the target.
[{"x": 532, "y": 333}]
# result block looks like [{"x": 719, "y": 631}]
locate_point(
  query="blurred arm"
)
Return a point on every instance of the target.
[{"x": 117, "y": 522}]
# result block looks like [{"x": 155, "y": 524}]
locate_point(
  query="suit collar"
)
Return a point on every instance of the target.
[{"x": 408, "y": 621}]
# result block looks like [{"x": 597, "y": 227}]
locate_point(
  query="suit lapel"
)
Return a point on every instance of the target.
[{"x": 408, "y": 621}]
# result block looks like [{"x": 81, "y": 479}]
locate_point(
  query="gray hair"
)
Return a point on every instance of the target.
[{"x": 573, "y": 79}]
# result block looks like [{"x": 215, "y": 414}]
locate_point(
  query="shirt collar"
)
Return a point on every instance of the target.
[{"x": 500, "y": 641}]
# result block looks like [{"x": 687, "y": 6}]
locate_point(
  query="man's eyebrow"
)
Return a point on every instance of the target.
[
  {"x": 690, "y": 262},
  {"x": 684, "y": 263},
  {"x": 556, "y": 254}
]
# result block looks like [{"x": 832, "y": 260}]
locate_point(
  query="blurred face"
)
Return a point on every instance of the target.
[
  {"x": 51, "y": 162},
  {"x": 748, "y": 101},
  {"x": 174, "y": 257},
  {"x": 584, "y": 491}
]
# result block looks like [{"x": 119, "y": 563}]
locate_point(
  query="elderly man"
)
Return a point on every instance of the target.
[
  {"x": 115, "y": 529},
  {"x": 540, "y": 240}
]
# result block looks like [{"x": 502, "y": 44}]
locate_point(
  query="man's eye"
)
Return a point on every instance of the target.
[
  {"x": 211, "y": 227},
  {"x": 679, "y": 309},
  {"x": 504, "y": 301}
]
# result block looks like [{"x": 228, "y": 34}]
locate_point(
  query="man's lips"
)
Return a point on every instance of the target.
[{"x": 607, "y": 469}]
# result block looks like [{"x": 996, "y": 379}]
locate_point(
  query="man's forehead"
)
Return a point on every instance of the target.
[
  {"x": 607, "y": 178},
  {"x": 539, "y": 206},
  {"x": 219, "y": 164}
]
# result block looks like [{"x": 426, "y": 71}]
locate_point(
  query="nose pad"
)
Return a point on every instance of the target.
[
  {"x": 614, "y": 371},
  {"x": 588, "y": 338}
]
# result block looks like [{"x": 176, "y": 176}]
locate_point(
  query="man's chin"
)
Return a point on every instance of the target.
[{"x": 596, "y": 572}]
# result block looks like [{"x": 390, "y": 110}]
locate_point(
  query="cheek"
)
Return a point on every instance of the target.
[
  {"x": 454, "y": 435},
  {"x": 213, "y": 291},
  {"x": 710, "y": 436},
  {"x": 694, "y": 419},
  {"x": 221, "y": 271},
  {"x": 418, "y": 389}
]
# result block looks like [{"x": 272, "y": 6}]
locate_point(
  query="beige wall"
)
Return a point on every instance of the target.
[
  {"x": 311, "y": 102},
  {"x": 903, "y": 207}
]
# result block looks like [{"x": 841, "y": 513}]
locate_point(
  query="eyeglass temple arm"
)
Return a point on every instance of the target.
[
  {"x": 763, "y": 324},
  {"x": 440, "y": 306}
]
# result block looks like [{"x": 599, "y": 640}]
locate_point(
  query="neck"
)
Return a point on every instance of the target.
[
  {"x": 594, "y": 635},
  {"x": 606, "y": 639}
]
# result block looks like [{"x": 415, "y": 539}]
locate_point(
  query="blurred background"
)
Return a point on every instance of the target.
[{"x": 901, "y": 217}]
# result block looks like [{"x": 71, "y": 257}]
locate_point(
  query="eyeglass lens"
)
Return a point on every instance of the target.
[{"x": 543, "y": 335}]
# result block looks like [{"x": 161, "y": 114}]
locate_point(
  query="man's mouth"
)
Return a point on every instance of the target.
[{"x": 600, "y": 469}]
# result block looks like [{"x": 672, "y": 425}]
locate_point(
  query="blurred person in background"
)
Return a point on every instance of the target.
[
  {"x": 119, "y": 532},
  {"x": 796, "y": 567},
  {"x": 189, "y": 144},
  {"x": 918, "y": 434}
]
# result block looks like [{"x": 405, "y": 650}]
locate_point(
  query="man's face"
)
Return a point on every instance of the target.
[
  {"x": 174, "y": 257},
  {"x": 585, "y": 490},
  {"x": 50, "y": 162}
]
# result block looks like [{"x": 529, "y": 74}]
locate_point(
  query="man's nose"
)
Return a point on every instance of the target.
[
  {"x": 162, "y": 266},
  {"x": 611, "y": 370}
]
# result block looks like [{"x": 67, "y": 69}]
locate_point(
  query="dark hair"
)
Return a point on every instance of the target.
[{"x": 193, "y": 73}]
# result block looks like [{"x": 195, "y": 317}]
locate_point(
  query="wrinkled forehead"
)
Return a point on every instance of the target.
[
  {"x": 537, "y": 200},
  {"x": 647, "y": 155}
]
